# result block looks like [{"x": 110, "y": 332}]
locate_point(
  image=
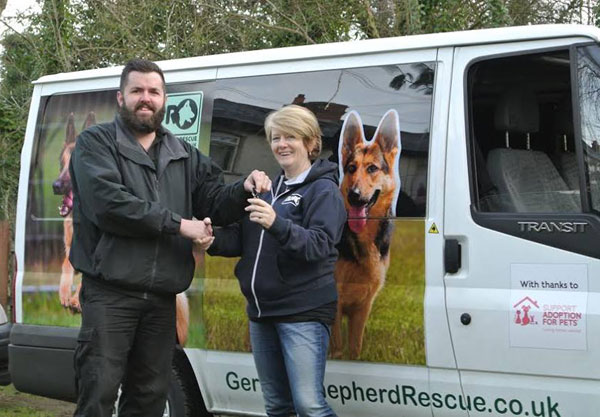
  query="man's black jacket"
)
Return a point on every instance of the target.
[{"x": 127, "y": 212}]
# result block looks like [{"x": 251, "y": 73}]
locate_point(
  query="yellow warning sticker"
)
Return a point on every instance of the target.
[{"x": 433, "y": 229}]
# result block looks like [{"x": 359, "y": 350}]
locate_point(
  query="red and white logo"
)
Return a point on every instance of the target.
[{"x": 523, "y": 314}]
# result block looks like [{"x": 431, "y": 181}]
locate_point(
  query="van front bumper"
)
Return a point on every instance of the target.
[{"x": 4, "y": 338}]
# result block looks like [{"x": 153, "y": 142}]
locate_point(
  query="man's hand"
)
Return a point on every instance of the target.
[
  {"x": 195, "y": 229},
  {"x": 257, "y": 181}
]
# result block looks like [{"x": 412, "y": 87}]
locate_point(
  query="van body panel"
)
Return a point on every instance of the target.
[
  {"x": 22, "y": 200},
  {"x": 349, "y": 386},
  {"x": 436, "y": 323},
  {"x": 531, "y": 395},
  {"x": 443, "y": 375}
]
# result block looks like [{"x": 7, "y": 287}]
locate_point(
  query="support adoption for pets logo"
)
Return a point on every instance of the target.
[{"x": 523, "y": 314}]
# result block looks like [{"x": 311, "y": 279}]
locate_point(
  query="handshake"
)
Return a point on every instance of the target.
[{"x": 200, "y": 231}]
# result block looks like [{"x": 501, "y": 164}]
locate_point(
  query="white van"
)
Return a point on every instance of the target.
[{"x": 483, "y": 252}]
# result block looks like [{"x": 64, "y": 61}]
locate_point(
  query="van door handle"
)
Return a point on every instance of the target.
[{"x": 452, "y": 256}]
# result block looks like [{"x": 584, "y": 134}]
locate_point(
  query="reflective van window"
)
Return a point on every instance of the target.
[{"x": 241, "y": 105}]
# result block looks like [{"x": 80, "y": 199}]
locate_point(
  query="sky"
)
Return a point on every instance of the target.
[{"x": 15, "y": 6}]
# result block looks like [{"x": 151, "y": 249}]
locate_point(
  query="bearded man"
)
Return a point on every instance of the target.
[{"x": 137, "y": 189}]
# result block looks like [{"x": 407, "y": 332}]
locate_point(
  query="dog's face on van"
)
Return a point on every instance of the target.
[
  {"x": 369, "y": 181},
  {"x": 62, "y": 185}
]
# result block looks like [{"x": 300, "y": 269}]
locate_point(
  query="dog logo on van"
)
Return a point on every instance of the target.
[
  {"x": 183, "y": 115},
  {"x": 522, "y": 314}
]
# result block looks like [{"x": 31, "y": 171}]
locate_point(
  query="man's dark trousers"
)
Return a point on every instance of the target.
[{"x": 124, "y": 339}]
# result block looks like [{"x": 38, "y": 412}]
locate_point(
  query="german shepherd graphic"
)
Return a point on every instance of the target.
[
  {"x": 370, "y": 185},
  {"x": 62, "y": 186}
]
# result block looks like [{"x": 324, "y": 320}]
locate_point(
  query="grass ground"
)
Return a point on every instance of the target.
[{"x": 17, "y": 404}]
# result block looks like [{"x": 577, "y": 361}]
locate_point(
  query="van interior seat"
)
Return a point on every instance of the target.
[
  {"x": 566, "y": 159},
  {"x": 527, "y": 181},
  {"x": 569, "y": 170}
]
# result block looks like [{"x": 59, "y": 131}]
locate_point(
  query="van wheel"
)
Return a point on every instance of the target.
[
  {"x": 184, "y": 398},
  {"x": 184, "y": 393}
]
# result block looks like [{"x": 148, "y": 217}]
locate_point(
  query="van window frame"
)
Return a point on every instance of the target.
[
  {"x": 582, "y": 242},
  {"x": 584, "y": 179}
]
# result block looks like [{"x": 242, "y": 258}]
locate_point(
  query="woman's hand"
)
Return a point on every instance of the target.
[
  {"x": 261, "y": 212},
  {"x": 204, "y": 243}
]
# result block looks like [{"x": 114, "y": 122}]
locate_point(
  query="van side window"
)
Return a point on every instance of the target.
[
  {"x": 241, "y": 105},
  {"x": 223, "y": 148},
  {"x": 522, "y": 143}
]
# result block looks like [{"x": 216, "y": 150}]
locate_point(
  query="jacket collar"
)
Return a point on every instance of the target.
[{"x": 171, "y": 148}]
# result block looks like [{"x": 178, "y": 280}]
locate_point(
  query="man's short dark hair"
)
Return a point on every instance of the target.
[{"x": 139, "y": 65}]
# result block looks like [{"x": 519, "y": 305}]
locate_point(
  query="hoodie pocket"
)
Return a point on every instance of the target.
[
  {"x": 294, "y": 273},
  {"x": 268, "y": 282}
]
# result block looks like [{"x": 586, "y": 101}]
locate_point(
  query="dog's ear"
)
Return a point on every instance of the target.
[
  {"x": 90, "y": 120},
  {"x": 70, "y": 132},
  {"x": 388, "y": 131},
  {"x": 351, "y": 135}
]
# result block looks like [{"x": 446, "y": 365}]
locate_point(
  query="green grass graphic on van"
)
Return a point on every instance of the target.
[{"x": 395, "y": 329}]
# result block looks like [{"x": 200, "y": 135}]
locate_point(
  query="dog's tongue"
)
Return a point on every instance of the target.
[
  {"x": 357, "y": 218},
  {"x": 66, "y": 205}
]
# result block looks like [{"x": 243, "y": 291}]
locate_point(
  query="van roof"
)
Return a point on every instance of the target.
[{"x": 338, "y": 49}]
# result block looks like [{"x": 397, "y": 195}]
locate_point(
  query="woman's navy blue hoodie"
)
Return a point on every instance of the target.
[{"x": 288, "y": 269}]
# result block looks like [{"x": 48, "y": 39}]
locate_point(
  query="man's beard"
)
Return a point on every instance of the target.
[{"x": 138, "y": 125}]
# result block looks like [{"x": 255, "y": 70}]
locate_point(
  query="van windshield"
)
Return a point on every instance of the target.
[{"x": 588, "y": 80}]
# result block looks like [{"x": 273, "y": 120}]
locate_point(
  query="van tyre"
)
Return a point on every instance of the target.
[
  {"x": 185, "y": 399},
  {"x": 179, "y": 404}
]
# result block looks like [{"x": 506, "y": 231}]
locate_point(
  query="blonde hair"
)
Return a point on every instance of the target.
[{"x": 300, "y": 122}]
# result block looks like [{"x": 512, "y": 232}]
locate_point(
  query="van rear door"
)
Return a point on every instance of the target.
[{"x": 521, "y": 284}]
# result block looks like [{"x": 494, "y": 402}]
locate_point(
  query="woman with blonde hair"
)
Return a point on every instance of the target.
[{"x": 287, "y": 248}]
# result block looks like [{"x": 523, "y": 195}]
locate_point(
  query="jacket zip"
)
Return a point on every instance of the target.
[
  {"x": 274, "y": 198},
  {"x": 153, "y": 272}
]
